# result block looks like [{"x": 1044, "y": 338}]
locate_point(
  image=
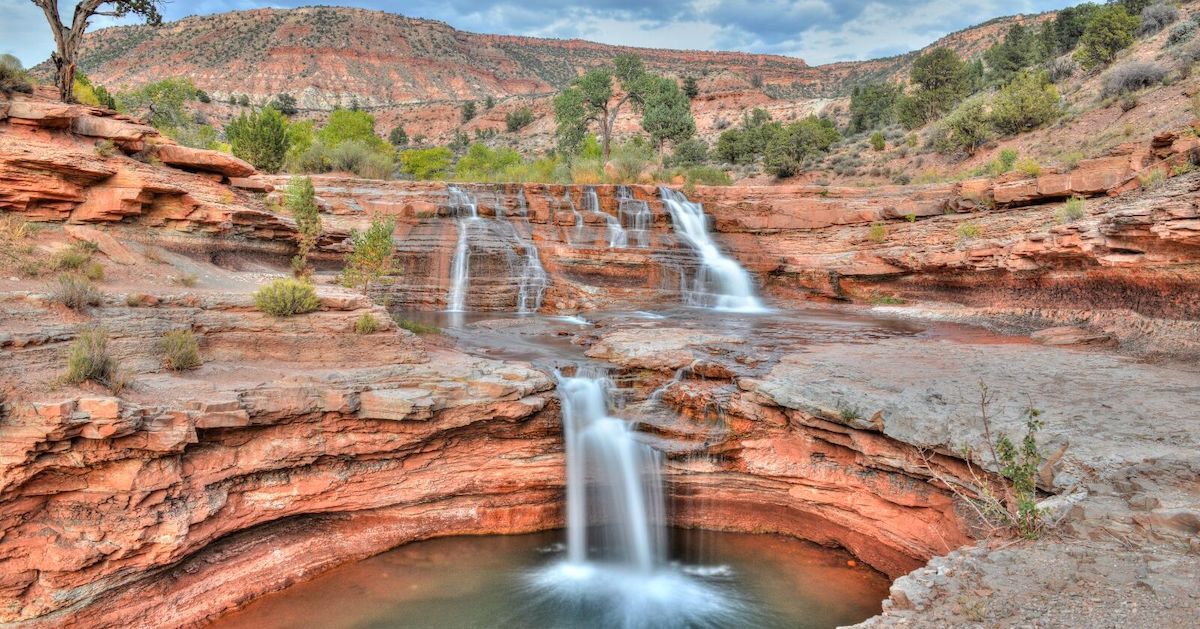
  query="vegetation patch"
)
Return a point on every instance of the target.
[
  {"x": 286, "y": 297},
  {"x": 180, "y": 350}
]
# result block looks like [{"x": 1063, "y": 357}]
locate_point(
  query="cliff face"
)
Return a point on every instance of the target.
[{"x": 300, "y": 444}]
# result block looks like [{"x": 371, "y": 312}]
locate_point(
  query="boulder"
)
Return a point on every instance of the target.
[
  {"x": 108, "y": 245},
  {"x": 41, "y": 113},
  {"x": 1069, "y": 335},
  {"x": 252, "y": 184},
  {"x": 189, "y": 158}
]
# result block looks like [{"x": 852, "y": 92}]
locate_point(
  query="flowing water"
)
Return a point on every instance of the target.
[{"x": 721, "y": 282}]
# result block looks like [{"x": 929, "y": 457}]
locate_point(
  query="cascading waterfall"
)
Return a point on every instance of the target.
[
  {"x": 616, "y": 233},
  {"x": 721, "y": 283},
  {"x": 636, "y": 214},
  {"x": 616, "y": 573},
  {"x": 461, "y": 203},
  {"x": 532, "y": 282}
]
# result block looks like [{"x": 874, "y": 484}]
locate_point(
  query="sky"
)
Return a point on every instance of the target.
[{"x": 818, "y": 31}]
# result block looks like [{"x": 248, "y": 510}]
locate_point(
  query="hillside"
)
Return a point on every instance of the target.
[{"x": 416, "y": 71}]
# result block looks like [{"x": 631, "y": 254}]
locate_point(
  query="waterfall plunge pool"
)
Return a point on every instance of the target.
[{"x": 491, "y": 581}]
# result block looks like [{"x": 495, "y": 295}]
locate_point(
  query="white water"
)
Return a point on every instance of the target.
[
  {"x": 616, "y": 570},
  {"x": 616, "y": 233},
  {"x": 721, "y": 283},
  {"x": 636, "y": 214},
  {"x": 460, "y": 268},
  {"x": 531, "y": 277}
]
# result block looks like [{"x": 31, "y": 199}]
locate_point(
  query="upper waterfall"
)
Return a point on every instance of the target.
[{"x": 721, "y": 283}]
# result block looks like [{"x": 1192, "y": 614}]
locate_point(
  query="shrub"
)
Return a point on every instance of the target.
[
  {"x": 707, "y": 176},
  {"x": 372, "y": 255},
  {"x": 398, "y": 137},
  {"x": 873, "y": 105},
  {"x": 301, "y": 201},
  {"x": 630, "y": 159},
  {"x": 468, "y": 110},
  {"x": 431, "y": 163},
  {"x": 877, "y": 233},
  {"x": 105, "y": 149},
  {"x": 416, "y": 327},
  {"x": 283, "y": 103},
  {"x": 1152, "y": 179},
  {"x": 965, "y": 129},
  {"x": 139, "y": 300},
  {"x": 75, "y": 292},
  {"x": 1156, "y": 17},
  {"x": 690, "y": 152},
  {"x": 518, "y": 119},
  {"x": 968, "y": 231},
  {"x": 89, "y": 359},
  {"x": 346, "y": 125},
  {"x": 180, "y": 350},
  {"x": 1130, "y": 77},
  {"x": 366, "y": 324},
  {"x": 482, "y": 163},
  {"x": 286, "y": 297},
  {"x": 1026, "y": 103},
  {"x": 1061, "y": 69},
  {"x": 259, "y": 137},
  {"x": 788, "y": 148},
  {"x": 361, "y": 159},
  {"x": 93, "y": 271},
  {"x": 13, "y": 77},
  {"x": 1181, "y": 33},
  {"x": 1006, "y": 160},
  {"x": 1071, "y": 211},
  {"x": 186, "y": 279},
  {"x": 1109, "y": 31},
  {"x": 878, "y": 142},
  {"x": 75, "y": 256},
  {"x": 1029, "y": 167},
  {"x": 848, "y": 412}
]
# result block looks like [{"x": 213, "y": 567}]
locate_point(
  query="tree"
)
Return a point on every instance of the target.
[
  {"x": 431, "y": 163},
  {"x": 588, "y": 100},
  {"x": 872, "y": 106},
  {"x": 259, "y": 137},
  {"x": 1026, "y": 103},
  {"x": 372, "y": 256},
  {"x": 518, "y": 119},
  {"x": 966, "y": 128},
  {"x": 301, "y": 201},
  {"x": 398, "y": 137},
  {"x": 68, "y": 38},
  {"x": 666, "y": 112},
  {"x": 345, "y": 125},
  {"x": 691, "y": 87},
  {"x": 690, "y": 152},
  {"x": 161, "y": 103},
  {"x": 468, "y": 111},
  {"x": 284, "y": 104},
  {"x": 941, "y": 79},
  {"x": 878, "y": 141},
  {"x": 89, "y": 94},
  {"x": 1068, "y": 26},
  {"x": 489, "y": 102},
  {"x": 1020, "y": 49},
  {"x": 787, "y": 149},
  {"x": 244, "y": 100},
  {"x": 1109, "y": 31}
]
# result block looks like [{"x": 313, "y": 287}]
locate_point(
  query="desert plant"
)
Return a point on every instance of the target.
[
  {"x": 847, "y": 411},
  {"x": 416, "y": 327},
  {"x": 1061, "y": 69},
  {"x": 1157, "y": 17},
  {"x": 93, "y": 271},
  {"x": 89, "y": 359},
  {"x": 180, "y": 350},
  {"x": 138, "y": 300},
  {"x": 259, "y": 137},
  {"x": 518, "y": 119},
  {"x": 75, "y": 256},
  {"x": 886, "y": 300},
  {"x": 1152, "y": 178},
  {"x": 286, "y": 297},
  {"x": 105, "y": 149},
  {"x": 1071, "y": 211},
  {"x": 1109, "y": 31},
  {"x": 13, "y": 77},
  {"x": 878, "y": 142},
  {"x": 431, "y": 163},
  {"x": 366, "y": 324},
  {"x": 968, "y": 231},
  {"x": 1027, "y": 102},
  {"x": 301, "y": 201},
  {"x": 877, "y": 233},
  {"x": 1130, "y": 77},
  {"x": 965, "y": 129},
  {"x": 186, "y": 279},
  {"x": 1181, "y": 33},
  {"x": 372, "y": 256},
  {"x": 75, "y": 291},
  {"x": 1029, "y": 167},
  {"x": 468, "y": 110}
]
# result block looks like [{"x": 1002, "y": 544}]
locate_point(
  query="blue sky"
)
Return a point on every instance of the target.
[{"x": 818, "y": 31}]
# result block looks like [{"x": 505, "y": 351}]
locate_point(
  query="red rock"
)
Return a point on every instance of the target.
[
  {"x": 108, "y": 245},
  {"x": 251, "y": 183},
  {"x": 204, "y": 160}
]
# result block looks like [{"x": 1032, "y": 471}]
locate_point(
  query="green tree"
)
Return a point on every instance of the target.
[
  {"x": 162, "y": 103},
  {"x": 301, "y": 201},
  {"x": 967, "y": 127},
  {"x": 431, "y": 163},
  {"x": 284, "y": 103},
  {"x": 259, "y": 137},
  {"x": 666, "y": 112},
  {"x": 345, "y": 125},
  {"x": 468, "y": 111},
  {"x": 1069, "y": 24},
  {"x": 1021, "y": 48},
  {"x": 878, "y": 142},
  {"x": 872, "y": 106},
  {"x": 87, "y": 93},
  {"x": 1026, "y": 103},
  {"x": 372, "y": 256},
  {"x": 398, "y": 137},
  {"x": 518, "y": 119},
  {"x": 68, "y": 38},
  {"x": 244, "y": 100},
  {"x": 1109, "y": 31},
  {"x": 941, "y": 79},
  {"x": 787, "y": 149},
  {"x": 691, "y": 87},
  {"x": 489, "y": 102},
  {"x": 690, "y": 152},
  {"x": 589, "y": 101},
  {"x": 745, "y": 144},
  {"x": 484, "y": 164}
]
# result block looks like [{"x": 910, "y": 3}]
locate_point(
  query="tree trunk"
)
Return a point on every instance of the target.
[{"x": 64, "y": 76}]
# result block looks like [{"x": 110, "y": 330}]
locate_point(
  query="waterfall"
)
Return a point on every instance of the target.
[
  {"x": 626, "y": 494},
  {"x": 721, "y": 283},
  {"x": 460, "y": 269},
  {"x": 616, "y": 573},
  {"x": 533, "y": 280},
  {"x": 635, "y": 214},
  {"x": 616, "y": 233}
]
